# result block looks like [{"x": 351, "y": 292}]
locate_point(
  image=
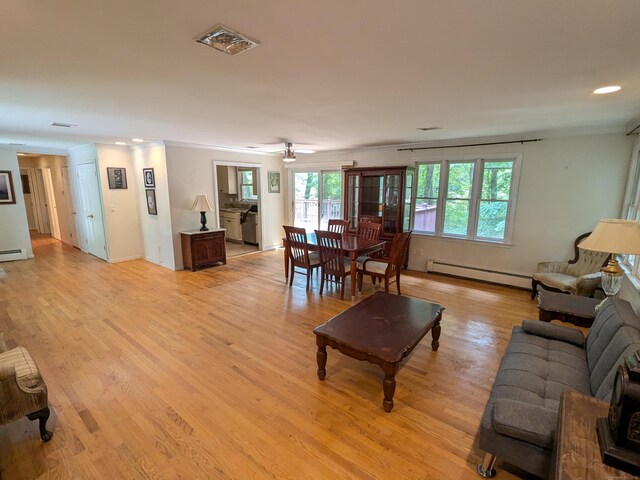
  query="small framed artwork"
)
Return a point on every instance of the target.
[
  {"x": 149, "y": 178},
  {"x": 274, "y": 182},
  {"x": 117, "y": 178},
  {"x": 152, "y": 208},
  {"x": 7, "y": 193}
]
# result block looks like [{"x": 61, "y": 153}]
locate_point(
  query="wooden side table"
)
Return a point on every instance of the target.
[
  {"x": 573, "y": 309},
  {"x": 203, "y": 249},
  {"x": 576, "y": 451}
]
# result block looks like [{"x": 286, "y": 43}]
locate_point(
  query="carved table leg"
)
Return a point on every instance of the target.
[
  {"x": 42, "y": 416},
  {"x": 321, "y": 357},
  {"x": 389, "y": 385},
  {"x": 435, "y": 335}
]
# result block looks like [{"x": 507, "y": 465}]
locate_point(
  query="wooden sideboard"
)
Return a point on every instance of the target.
[{"x": 203, "y": 249}]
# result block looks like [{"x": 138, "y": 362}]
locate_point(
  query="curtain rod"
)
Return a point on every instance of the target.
[
  {"x": 471, "y": 145},
  {"x": 630, "y": 132}
]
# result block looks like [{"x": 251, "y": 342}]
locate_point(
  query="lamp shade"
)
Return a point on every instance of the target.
[
  {"x": 202, "y": 204},
  {"x": 614, "y": 236}
]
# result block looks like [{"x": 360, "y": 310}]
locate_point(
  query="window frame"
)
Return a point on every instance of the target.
[
  {"x": 253, "y": 185},
  {"x": 479, "y": 162},
  {"x": 631, "y": 207}
]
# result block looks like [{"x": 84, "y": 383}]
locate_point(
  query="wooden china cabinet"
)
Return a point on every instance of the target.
[{"x": 380, "y": 194}]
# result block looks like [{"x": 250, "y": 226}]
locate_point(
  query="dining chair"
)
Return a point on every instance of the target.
[
  {"x": 299, "y": 254},
  {"x": 338, "y": 226},
  {"x": 369, "y": 230},
  {"x": 334, "y": 266},
  {"x": 371, "y": 219},
  {"x": 386, "y": 268}
]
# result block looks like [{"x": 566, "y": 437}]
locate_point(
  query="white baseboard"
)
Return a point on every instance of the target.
[
  {"x": 123, "y": 259},
  {"x": 15, "y": 254},
  {"x": 485, "y": 275}
]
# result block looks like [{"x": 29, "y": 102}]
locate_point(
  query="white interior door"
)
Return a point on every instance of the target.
[
  {"x": 52, "y": 207},
  {"x": 71, "y": 210},
  {"x": 90, "y": 207},
  {"x": 42, "y": 207}
]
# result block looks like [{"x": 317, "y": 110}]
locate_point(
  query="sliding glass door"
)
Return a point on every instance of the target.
[{"x": 316, "y": 198}]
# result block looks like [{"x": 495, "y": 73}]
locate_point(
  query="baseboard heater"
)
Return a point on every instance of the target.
[
  {"x": 8, "y": 255},
  {"x": 503, "y": 278}
]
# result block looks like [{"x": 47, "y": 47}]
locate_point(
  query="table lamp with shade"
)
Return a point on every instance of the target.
[
  {"x": 614, "y": 236},
  {"x": 202, "y": 205}
]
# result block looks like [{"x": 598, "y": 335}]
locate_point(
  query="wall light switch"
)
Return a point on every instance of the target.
[{"x": 113, "y": 208}]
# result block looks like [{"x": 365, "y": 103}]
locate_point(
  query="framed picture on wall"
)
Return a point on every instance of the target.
[
  {"x": 274, "y": 182},
  {"x": 152, "y": 207},
  {"x": 149, "y": 178},
  {"x": 7, "y": 193},
  {"x": 117, "y": 178}
]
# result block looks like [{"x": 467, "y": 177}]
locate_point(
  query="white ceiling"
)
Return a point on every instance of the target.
[{"x": 332, "y": 74}]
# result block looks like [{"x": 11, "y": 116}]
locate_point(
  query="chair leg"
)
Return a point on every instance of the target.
[
  {"x": 42, "y": 416},
  {"x": 398, "y": 282},
  {"x": 386, "y": 284},
  {"x": 293, "y": 270},
  {"x": 322, "y": 275},
  {"x": 359, "y": 279},
  {"x": 309, "y": 273},
  {"x": 534, "y": 288},
  {"x": 344, "y": 281},
  {"x": 485, "y": 469}
]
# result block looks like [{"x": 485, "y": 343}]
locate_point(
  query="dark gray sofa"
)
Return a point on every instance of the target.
[{"x": 541, "y": 361}]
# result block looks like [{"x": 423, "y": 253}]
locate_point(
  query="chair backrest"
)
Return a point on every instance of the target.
[
  {"x": 369, "y": 230},
  {"x": 298, "y": 247},
  {"x": 399, "y": 247},
  {"x": 588, "y": 262},
  {"x": 338, "y": 226},
  {"x": 371, "y": 219},
  {"x": 331, "y": 253}
]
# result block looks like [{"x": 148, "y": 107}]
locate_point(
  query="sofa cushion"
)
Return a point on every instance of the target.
[
  {"x": 614, "y": 335},
  {"x": 561, "y": 281},
  {"x": 524, "y": 421},
  {"x": 26, "y": 371},
  {"x": 556, "y": 332}
]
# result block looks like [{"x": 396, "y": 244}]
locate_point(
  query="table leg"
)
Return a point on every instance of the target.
[
  {"x": 389, "y": 385},
  {"x": 354, "y": 274},
  {"x": 286, "y": 261},
  {"x": 435, "y": 334},
  {"x": 321, "y": 357}
]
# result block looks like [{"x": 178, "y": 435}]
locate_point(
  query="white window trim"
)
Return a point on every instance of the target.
[
  {"x": 306, "y": 168},
  {"x": 474, "y": 204}
]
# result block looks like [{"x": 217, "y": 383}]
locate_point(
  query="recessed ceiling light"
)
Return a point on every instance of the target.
[
  {"x": 608, "y": 89},
  {"x": 226, "y": 40},
  {"x": 138, "y": 140},
  {"x": 426, "y": 129},
  {"x": 120, "y": 143}
]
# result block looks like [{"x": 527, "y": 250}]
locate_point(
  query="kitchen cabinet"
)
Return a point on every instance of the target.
[
  {"x": 381, "y": 194},
  {"x": 200, "y": 249},
  {"x": 227, "y": 180},
  {"x": 231, "y": 222}
]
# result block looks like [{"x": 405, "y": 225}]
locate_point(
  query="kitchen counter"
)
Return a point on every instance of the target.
[{"x": 195, "y": 232}]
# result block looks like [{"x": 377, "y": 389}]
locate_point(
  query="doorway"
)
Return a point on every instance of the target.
[
  {"x": 238, "y": 203},
  {"x": 90, "y": 208},
  {"x": 317, "y": 197}
]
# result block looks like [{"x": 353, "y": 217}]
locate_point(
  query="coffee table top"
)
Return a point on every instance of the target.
[{"x": 383, "y": 325}]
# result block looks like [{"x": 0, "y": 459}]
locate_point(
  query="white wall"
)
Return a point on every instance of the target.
[
  {"x": 190, "y": 172},
  {"x": 566, "y": 186},
  {"x": 14, "y": 229},
  {"x": 121, "y": 211},
  {"x": 156, "y": 235}
]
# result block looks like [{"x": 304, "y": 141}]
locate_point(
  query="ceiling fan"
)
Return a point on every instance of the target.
[{"x": 288, "y": 153}]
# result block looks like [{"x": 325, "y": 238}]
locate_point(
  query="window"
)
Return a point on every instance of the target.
[
  {"x": 631, "y": 205},
  {"x": 248, "y": 185},
  {"x": 472, "y": 198},
  {"x": 317, "y": 198}
]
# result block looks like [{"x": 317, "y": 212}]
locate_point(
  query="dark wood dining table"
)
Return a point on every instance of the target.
[{"x": 352, "y": 246}]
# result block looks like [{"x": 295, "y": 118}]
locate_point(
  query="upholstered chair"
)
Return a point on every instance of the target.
[
  {"x": 580, "y": 276},
  {"x": 389, "y": 268},
  {"x": 22, "y": 390}
]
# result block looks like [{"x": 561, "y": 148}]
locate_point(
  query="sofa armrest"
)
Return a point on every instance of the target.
[
  {"x": 588, "y": 283},
  {"x": 555, "y": 332},
  {"x": 527, "y": 422},
  {"x": 552, "y": 267}
]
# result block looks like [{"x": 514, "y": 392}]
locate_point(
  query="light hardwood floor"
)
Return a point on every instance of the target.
[{"x": 160, "y": 374}]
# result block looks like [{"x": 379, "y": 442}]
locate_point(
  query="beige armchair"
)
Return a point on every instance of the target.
[
  {"x": 580, "y": 276},
  {"x": 22, "y": 390}
]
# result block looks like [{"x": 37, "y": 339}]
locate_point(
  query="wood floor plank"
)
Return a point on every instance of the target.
[{"x": 212, "y": 374}]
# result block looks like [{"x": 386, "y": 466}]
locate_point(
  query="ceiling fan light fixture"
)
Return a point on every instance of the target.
[{"x": 289, "y": 154}]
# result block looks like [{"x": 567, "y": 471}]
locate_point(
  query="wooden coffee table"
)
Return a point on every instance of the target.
[{"x": 382, "y": 329}]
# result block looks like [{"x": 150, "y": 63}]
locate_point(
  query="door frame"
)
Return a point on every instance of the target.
[{"x": 291, "y": 194}]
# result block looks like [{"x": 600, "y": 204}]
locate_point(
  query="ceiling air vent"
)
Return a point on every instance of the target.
[
  {"x": 63, "y": 125},
  {"x": 226, "y": 40},
  {"x": 426, "y": 129}
]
